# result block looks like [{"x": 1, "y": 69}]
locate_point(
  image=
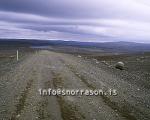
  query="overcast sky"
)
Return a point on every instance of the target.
[{"x": 82, "y": 20}]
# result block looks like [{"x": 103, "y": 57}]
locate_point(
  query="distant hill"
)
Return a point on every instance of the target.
[{"x": 109, "y": 46}]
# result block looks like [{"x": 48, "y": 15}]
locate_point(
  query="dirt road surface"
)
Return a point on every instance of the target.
[{"x": 20, "y": 98}]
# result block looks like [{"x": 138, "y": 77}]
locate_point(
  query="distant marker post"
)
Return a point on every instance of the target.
[{"x": 17, "y": 55}]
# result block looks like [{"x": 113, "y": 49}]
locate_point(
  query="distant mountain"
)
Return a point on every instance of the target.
[{"x": 109, "y": 46}]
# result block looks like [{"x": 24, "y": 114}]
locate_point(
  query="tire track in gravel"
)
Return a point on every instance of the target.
[
  {"x": 68, "y": 111},
  {"x": 42, "y": 105},
  {"x": 47, "y": 107},
  {"x": 22, "y": 100}
]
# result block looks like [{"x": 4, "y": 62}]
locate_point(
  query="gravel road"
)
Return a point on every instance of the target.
[{"x": 20, "y": 98}]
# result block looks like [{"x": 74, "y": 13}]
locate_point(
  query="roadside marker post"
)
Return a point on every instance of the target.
[{"x": 17, "y": 55}]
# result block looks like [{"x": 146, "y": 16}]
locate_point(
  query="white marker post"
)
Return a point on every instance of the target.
[{"x": 17, "y": 55}]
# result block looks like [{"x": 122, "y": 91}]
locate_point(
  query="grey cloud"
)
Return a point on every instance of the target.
[
  {"x": 96, "y": 20},
  {"x": 130, "y": 9}
]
